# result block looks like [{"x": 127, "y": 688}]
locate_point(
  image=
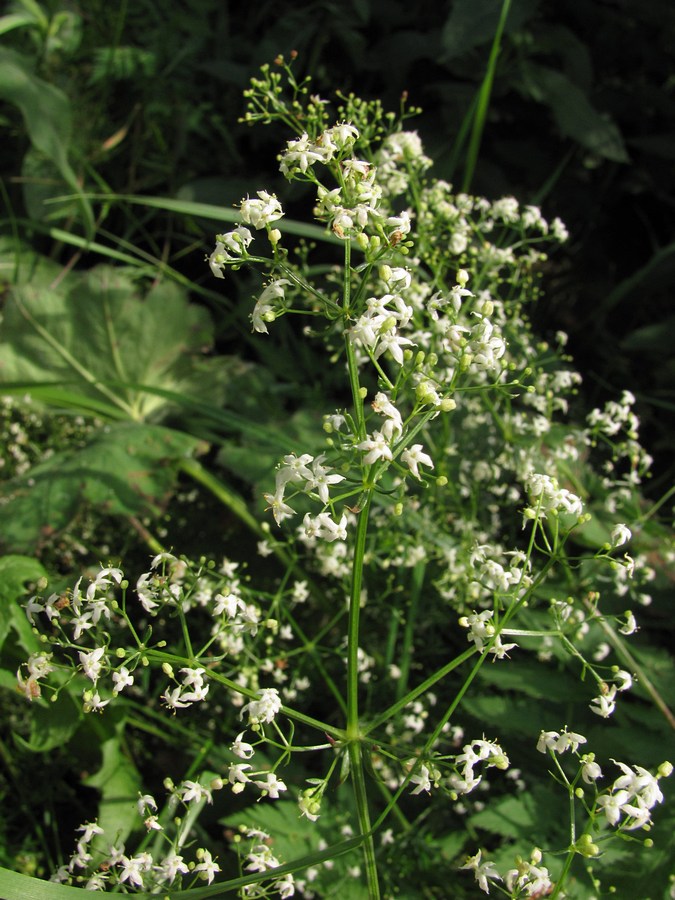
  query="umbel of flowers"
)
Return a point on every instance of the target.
[{"x": 446, "y": 476}]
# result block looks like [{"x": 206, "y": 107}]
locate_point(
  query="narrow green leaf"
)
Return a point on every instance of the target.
[
  {"x": 15, "y": 20},
  {"x": 47, "y": 116}
]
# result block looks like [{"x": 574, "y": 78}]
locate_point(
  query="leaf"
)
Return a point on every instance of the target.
[
  {"x": 15, "y": 572},
  {"x": 52, "y": 724},
  {"x": 292, "y": 835},
  {"x": 472, "y": 23},
  {"x": 511, "y": 817},
  {"x": 119, "y": 782},
  {"x": 47, "y": 115},
  {"x": 97, "y": 335},
  {"x": 126, "y": 469},
  {"x": 574, "y": 114},
  {"x": 510, "y": 715},
  {"x": 531, "y": 680},
  {"x": 656, "y": 338}
]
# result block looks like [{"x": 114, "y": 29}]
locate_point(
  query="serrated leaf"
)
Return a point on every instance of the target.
[
  {"x": 510, "y": 817},
  {"x": 97, "y": 335},
  {"x": 293, "y": 836},
  {"x": 125, "y": 469},
  {"x": 531, "y": 680},
  {"x": 510, "y": 715}
]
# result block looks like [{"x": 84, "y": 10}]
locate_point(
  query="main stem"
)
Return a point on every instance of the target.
[{"x": 353, "y": 729}]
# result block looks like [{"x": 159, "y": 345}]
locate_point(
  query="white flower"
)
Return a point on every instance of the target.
[
  {"x": 605, "y": 704},
  {"x": 236, "y": 775},
  {"x": 611, "y": 805},
  {"x": 624, "y": 681},
  {"x": 191, "y": 791},
  {"x": 39, "y": 665},
  {"x": 342, "y": 135},
  {"x": 89, "y": 829},
  {"x": 630, "y": 627},
  {"x": 280, "y": 509},
  {"x": 240, "y": 748},
  {"x": 621, "y": 534},
  {"x": 230, "y": 247},
  {"x": 415, "y": 456},
  {"x": 268, "y": 305},
  {"x": 93, "y": 702},
  {"x": 590, "y": 770},
  {"x": 145, "y": 803},
  {"x": 377, "y": 448},
  {"x": 170, "y": 866},
  {"x": 271, "y": 786},
  {"x": 299, "y": 155},
  {"x": 133, "y": 868},
  {"x": 261, "y": 212},
  {"x": 265, "y": 708},
  {"x": 482, "y": 871},
  {"x": 206, "y": 868},
  {"x": 121, "y": 679},
  {"x": 320, "y": 480},
  {"x": 420, "y": 778},
  {"x": 173, "y": 698}
]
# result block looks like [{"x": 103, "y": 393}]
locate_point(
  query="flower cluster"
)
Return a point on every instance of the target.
[
  {"x": 629, "y": 802},
  {"x": 478, "y": 752},
  {"x": 309, "y": 474}
]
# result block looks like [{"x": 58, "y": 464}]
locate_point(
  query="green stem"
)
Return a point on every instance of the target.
[
  {"x": 361, "y": 798},
  {"x": 353, "y": 626}
]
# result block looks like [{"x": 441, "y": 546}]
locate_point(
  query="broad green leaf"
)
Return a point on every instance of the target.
[
  {"x": 126, "y": 469},
  {"x": 47, "y": 115},
  {"x": 52, "y": 724},
  {"x": 472, "y": 23},
  {"x": 505, "y": 712},
  {"x": 119, "y": 782},
  {"x": 574, "y": 114},
  {"x": 531, "y": 680},
  {"x": 96, "y": 335},
  {"x": 293, "y": 835},
  {"x": 15, "y": 572},
  {"x": 512, "y": 816}
]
